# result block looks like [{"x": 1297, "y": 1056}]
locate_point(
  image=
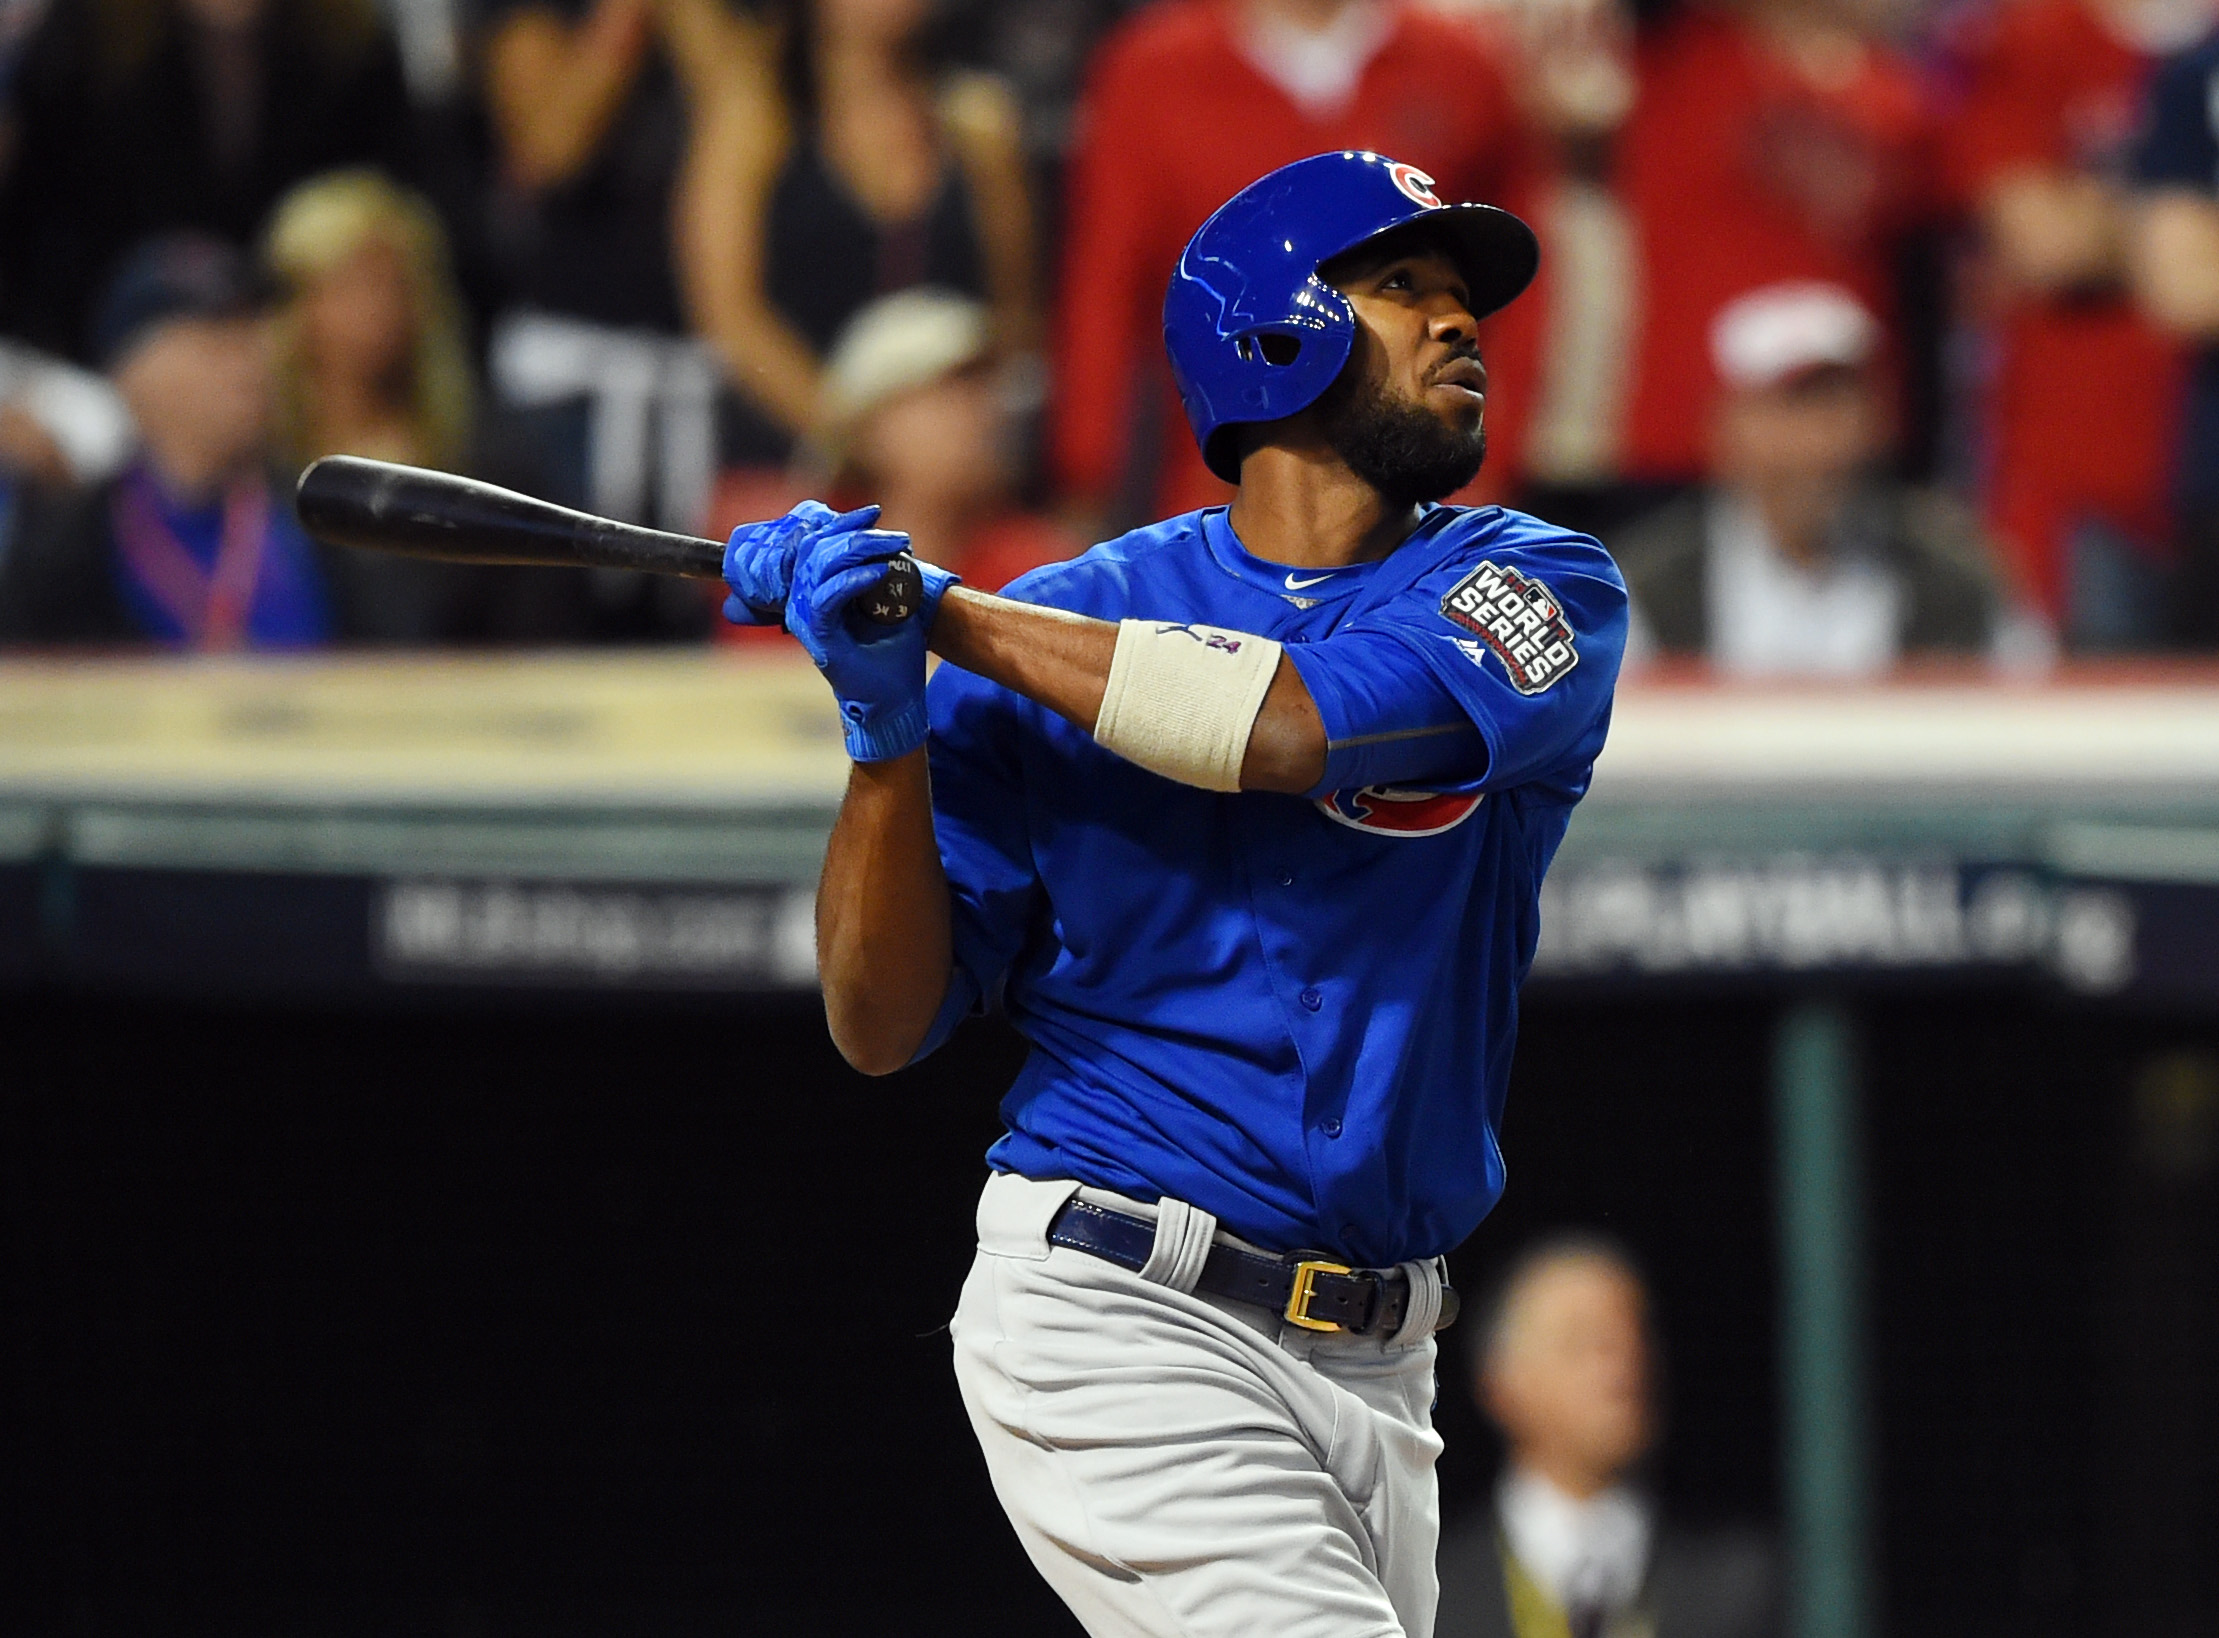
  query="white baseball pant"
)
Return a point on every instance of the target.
[{"x": 1178, "y": 1465}]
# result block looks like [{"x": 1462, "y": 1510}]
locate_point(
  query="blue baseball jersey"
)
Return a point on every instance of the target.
[{"x": 1296, "y": 1012}]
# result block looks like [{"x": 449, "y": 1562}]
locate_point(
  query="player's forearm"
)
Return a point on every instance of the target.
[
  {"x": 1058, "y": 659},
  {"x": 1063, "y": 660},
  {"x": 884, "y": 947}
]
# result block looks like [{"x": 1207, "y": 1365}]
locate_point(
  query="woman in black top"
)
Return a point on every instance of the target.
[
  {"x": 836, "y": 166},
  {"x": 590, "y": 103},
  {"x": 588, "y": 99}
]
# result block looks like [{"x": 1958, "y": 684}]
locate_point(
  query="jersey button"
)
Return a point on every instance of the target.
[
  {"x": 1311, "y": 1000},
  {"x": 1286, "y": 878},
  {"x": 1332, "y": 1126}
]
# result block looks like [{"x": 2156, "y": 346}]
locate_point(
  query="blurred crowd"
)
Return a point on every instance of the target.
[{"x": 1866, "y": 329}]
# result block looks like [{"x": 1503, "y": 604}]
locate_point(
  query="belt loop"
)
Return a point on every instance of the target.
[
  {"x": 1183, "y": 1236},
  {"x": 1423, "y": 1311}
]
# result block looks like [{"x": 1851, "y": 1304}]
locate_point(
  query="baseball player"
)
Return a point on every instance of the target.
[{"x": 1240, "y": 819}]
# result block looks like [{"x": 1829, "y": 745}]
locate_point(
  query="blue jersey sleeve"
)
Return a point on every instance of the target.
[
  {"x": 1491, "y": 669},
  {"x": 2180, "y": 141},
  {"x": 978, "y": 815}
]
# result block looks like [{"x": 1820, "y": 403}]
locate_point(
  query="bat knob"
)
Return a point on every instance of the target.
[{"x": 898, "y": 594}]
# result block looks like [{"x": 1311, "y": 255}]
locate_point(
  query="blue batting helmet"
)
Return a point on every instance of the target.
[{"x": 1254, "y": 334}]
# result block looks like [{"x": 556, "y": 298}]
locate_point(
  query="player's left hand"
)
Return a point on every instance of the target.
[
  {"x": 759, "y": 558},
  {"x": 876, "y": 672}
]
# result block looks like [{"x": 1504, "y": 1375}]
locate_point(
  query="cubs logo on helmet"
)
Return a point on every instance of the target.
[
  {"x": 1415, "y": 183},
  {"x": 1388, "y": 810}
]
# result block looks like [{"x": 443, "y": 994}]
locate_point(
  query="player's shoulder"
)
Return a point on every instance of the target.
[
  {"x": 1100, "y": 580},
  {"x": 1512, "y": 589},
  {"x": 1469, "y": 569},
  {"x": 1468, "y": 535}
]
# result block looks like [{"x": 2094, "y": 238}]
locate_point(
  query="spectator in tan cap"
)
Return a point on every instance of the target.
[
  {"x": 919, "y": 419},
  {"x": 1797, "y": 556}
]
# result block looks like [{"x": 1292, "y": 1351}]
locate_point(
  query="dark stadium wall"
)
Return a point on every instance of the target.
[{"x": 593, "y": 1317}]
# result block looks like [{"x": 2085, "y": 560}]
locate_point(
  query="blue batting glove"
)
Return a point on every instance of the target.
[
  {"x": 877, "y": 672},
  {"x": 759, "y": 558}
]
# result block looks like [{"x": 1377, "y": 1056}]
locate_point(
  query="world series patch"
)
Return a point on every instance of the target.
[{"x": 1517, "y": 617}]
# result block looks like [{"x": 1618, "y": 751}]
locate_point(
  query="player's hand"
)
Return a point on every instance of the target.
[
  {"x": 759, "y": 558},
  {"x": 876, "y": 672}
]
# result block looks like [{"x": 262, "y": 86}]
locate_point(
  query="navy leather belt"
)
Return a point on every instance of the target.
[{"x": 1312, "y": 1292}]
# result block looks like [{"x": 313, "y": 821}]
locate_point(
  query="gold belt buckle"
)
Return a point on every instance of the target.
[{"x": 1306, "y": 1274}]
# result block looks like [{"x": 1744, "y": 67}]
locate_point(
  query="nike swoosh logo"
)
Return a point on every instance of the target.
[{"x": 1296, "y": 585}]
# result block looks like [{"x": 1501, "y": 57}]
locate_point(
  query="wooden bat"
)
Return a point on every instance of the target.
[{"x": 348, "y": 501}]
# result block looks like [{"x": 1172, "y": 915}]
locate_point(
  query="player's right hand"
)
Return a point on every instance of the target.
[
  {"x": 877, "y": 672},
  {"x": 759, "y": 558}
]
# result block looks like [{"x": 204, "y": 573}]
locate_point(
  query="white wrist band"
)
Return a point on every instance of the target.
[{"x": 1182, "y": 699}]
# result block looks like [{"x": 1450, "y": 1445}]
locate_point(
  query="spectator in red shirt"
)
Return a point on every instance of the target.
[
  {"x": 2039, "y": 153},
  {"x": 1190, "y": 101},
  {"x": 1770, "y": 143}
]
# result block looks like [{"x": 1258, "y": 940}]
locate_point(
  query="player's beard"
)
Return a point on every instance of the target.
[{"x": 1401, "y": 448}]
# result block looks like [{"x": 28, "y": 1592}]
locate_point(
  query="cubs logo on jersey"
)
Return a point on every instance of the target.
[{"x": 1386, "y": 810}]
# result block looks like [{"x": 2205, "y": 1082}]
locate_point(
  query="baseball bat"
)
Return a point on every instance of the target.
[{"x": 349, "y": 501}]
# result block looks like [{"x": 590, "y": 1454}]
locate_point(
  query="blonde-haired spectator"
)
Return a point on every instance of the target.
[
  {"x": 371, "y": 356},
  {"x": 921, "y": 420}
]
